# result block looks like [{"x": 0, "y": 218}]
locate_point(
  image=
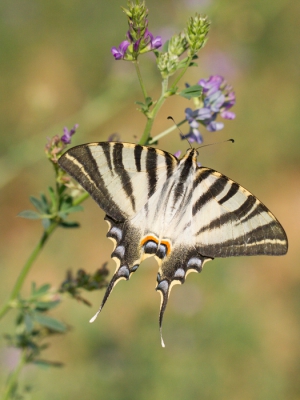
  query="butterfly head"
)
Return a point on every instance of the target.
[{"x": 190, "y": 156}]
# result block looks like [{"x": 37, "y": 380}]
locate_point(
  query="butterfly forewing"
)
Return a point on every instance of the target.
[
  {"x": 119, "y": 176},
  {"x": 229, "y": 221}
]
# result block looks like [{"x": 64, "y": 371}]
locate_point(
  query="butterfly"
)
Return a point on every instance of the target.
[{"x": 181, "y": 213}]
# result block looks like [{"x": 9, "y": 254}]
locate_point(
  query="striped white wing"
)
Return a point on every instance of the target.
[
  {"x": 121, "y": 177},
  {"x": 180, "y": 213},
  {"x": 229, "y": 221}
]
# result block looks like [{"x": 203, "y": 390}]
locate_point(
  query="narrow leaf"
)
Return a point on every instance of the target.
[
  {"x": 38, "y": 204},
  {"x": 191, "y": 91},
  {"x": 28, "y": 322},
  {"x": 165, "y": 46},
  {"x": 29, "y": 214},
  {"x": 47, "y": 364},
  {"x": 139, "y": 103},
  {"x": 44, "y": 201},
  {"x": 52, "y": 197},
  {"x": 69, "y": 224},
  {"x": 50, "y": 322},
  {"x": 46, "y": 222},
  {"x": 73, "y": 209},
  {"x": 42, "y": 290},
  {"x": 47, "y": 305}
]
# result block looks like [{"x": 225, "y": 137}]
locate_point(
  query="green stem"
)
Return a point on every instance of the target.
[
  {"x": 151, "y": 116},
  {"x": 183, "y": 71},
  {"x": 138, "y": 71},
  {"x": 27, "y": 267},
  {"x": 166, "y": 132},
  {"x": 80, "y": 199},
  {"x": 13, "y": 377}
]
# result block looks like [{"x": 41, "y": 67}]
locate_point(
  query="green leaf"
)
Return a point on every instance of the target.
[
  {"x": 66, "y": 203},
  {"x": 149, "y": 101},
  {"x": 72, "y": 209},
  {"x": 29, "y": 214},
  {"x": 28, "y": 322},
  {"x": 61, "y": 189},
  {"x": 47, "y": 305},
  {"x": 44, "y": 201},
  {"x": 191, "y": 91},
  {"x": 49, "y": 322},
  {"x": 42, "y": 290},
  {"x": 46, "y": 222},
  {"x": 69, "y": 224},
  {"x": 52, "y": 197},
  {"x": 38, "y": 204},
  {"x": 165, "y": 46},
  {"x": 47, "y": 364}
]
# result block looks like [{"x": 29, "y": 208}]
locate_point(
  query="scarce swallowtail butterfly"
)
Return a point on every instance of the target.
[{"x": 181, "y": 213}]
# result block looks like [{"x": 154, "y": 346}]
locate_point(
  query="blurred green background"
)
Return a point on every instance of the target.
[{"x": 231, "y": 332}]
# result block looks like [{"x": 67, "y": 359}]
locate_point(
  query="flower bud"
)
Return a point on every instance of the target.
[
  {"x": 196, "y": 32},
  {"x": 167, "y": 64}
]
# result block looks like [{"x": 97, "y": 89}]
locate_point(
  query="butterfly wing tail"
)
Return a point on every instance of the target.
[
  {"x": 127, "y": 254},
  {"x": 173, "y": 270}
]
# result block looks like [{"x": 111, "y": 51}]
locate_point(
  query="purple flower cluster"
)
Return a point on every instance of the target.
[
  {"x": 66, "y": 137},
  {"x": 130, "y": 48},
  {"x": 217, "y": 98}
]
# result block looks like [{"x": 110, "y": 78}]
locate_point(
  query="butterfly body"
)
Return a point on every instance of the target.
[{"x": 173, "y": 209}]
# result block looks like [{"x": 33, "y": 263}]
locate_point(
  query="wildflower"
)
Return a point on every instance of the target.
[
  {"x": 138, "y": 38},
  {"x": 114, "y": 137},
  {"x": 120, "y": 53},
  {"x": 66, "y": 137},
  {"x": 53, "y": 148},
  {"x": 217, "y": 98},
  {"x": 194, "y": 134}
]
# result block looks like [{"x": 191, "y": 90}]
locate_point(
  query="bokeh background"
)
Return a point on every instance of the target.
[{"x": 231, "y": 332}]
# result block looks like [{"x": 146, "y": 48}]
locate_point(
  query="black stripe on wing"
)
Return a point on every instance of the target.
[
  {"x": 138, "y": 149},
  {"x": 121, "y": 171},
  {"x": 266, "y": 240},
  {"x": 81, "y": 165},
  {"x": 232, "y": 191},
  {"x": 151, "y": 168},
  {"x": 181, "y": 186},
  {"x": 106, "y": 150},
  {"x": 211, "y": 192}
]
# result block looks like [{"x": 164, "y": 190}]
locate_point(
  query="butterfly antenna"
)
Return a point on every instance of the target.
[
  {"x": 212, "y": 144},
  {"x": 169, "y": 117}
]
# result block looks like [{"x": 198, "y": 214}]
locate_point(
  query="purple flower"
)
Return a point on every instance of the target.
[
  {"x": 142, "y": 44},
  {"x": 194, "y": 134},
  {"x": 217, "y": 98},
  {"x": 227, "y": 114},
  {"x": 149, "y": 39},
  {"x": 212, "y": 84},
  {"x": 157, "y": 42},
  {"x": 114, "y": 137},
  {"x": 120, "y": 53},
  {"x": 66, "y": 137}
]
